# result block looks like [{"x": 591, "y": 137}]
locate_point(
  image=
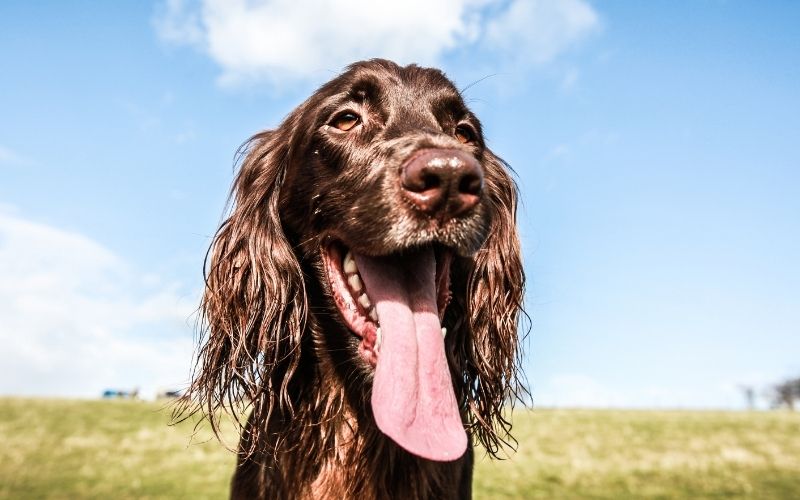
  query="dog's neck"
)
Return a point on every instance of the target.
[
  {"x": 343, "y": 455},
  {"x": 330, "y": 482}
]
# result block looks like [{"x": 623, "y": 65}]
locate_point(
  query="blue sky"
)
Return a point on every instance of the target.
[{"x": 656, "y": 147}]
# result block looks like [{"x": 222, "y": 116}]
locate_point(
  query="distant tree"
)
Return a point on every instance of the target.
[
  {"x": 749, "y": 393},
  {"x": 786, "y": 394}
]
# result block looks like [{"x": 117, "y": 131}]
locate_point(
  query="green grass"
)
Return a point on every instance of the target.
[
  {"x": 125, "y": 449},
  {"x": 648, "y": 454}
]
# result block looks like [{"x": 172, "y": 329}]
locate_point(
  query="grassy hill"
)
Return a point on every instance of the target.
[{"x": 125, "y": 449}]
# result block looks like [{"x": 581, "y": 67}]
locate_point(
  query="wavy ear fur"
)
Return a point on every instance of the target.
[
  {"x": 485, "y": 348},
  {"x": 254, "y": 304}
]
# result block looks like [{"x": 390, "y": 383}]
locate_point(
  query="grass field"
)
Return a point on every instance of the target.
[{"x": 125, "y": 449}]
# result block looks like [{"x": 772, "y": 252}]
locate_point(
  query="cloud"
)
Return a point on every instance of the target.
[
  {"x": 538, "y": 30},
  {"x": 11, "y": 157},
  {"x": 580, "y": 390},
  {"x": 576, "y": 390},
  {"x": 289, "y": 40},
  {"x": 75, "y": 319}
]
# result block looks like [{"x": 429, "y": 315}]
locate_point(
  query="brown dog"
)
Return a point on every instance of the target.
[{"x": 362, "y": 297}]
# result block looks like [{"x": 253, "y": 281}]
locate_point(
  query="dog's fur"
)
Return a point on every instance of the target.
[{"x": 276, "y": 345}]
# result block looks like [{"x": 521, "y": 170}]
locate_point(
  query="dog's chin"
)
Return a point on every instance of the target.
[
  {"x": 350, "y": 293},
  {"x": 462, "y": 236}
]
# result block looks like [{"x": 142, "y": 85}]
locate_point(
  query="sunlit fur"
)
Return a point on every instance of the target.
[{"x": 275, "y": 354}]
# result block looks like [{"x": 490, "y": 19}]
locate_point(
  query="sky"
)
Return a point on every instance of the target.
[{"x": 655, "y": 145}]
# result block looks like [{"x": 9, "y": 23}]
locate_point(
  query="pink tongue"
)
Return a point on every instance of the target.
[{"x": 412, "y": 393}]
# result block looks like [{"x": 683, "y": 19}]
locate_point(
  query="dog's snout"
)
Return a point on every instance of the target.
[{"x": 443, "y": 183}]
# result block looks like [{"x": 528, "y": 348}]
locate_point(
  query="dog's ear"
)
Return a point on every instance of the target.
[
  {"x": 485, "y": 348},
  {"x": 254, "y": 303}
]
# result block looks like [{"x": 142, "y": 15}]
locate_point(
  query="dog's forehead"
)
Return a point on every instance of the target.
[{"x": 386, "y": 81}]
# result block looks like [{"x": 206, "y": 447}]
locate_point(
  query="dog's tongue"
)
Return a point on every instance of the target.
[{"x": 412, "y": 393}]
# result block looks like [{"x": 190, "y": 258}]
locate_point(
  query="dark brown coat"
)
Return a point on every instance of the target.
[{"x": 275, "y": 345}]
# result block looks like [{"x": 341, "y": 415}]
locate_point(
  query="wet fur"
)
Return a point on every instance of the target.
[{"x": 274, "y": 345}]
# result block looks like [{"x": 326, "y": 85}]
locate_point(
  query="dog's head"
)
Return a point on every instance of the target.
[{"x": 368, "y": 227}]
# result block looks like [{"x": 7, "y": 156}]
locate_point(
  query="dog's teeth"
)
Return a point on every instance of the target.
[
  {"x": 378, "y": 339},
  {"x": 364, "y": 301},
  {"x": 373, "y": 315},
  {"x": 444, "y": 332},
  {"x": 350, "y": 264},
  {"x": 355, "y": 282}
]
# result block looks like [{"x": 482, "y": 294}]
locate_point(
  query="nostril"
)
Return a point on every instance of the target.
[
  {"x": 430, "y": 181},
  {"x": 470, "y": 184},
  {"x": 420, "y": 180}
]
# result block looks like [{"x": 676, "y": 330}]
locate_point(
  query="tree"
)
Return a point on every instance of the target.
[
  {"x": 749, "y": 393},
  {"x": 786, "y": 393}
]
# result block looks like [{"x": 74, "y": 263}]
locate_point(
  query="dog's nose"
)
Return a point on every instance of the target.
[{"x": 443, "y": 183}]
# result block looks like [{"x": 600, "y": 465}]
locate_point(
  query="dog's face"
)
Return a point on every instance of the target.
[
  {"x": 372, "y": 233},
  {"x": 352, "y": 181},
  {"x": 384, "y": 188}
]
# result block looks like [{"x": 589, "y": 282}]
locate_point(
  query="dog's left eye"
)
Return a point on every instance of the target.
[
  {"x": 465, "y": 134},
  {"x": 346, "y": 121}
]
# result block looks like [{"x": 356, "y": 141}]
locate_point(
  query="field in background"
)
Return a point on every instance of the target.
[{"x": 124, "y": 449}]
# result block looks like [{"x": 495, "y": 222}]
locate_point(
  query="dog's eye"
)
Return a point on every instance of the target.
[
  {"x": 465, "y": 134},
  {"x": 346, "y": 121}
]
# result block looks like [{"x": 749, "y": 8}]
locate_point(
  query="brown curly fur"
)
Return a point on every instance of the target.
[{"x": 274, "y": 345}]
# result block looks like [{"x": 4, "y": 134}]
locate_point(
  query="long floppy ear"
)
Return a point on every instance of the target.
[
  {"x": 485, "y": 348},
  {"x": 254, "y": 304}
]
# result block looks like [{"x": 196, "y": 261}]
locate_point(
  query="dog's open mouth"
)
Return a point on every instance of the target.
[
  {"x": 394, "y": 304},
  {"x": 358, "y": 308}
]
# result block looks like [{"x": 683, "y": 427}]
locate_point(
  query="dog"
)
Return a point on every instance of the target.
[{"x": 363, "y": 294}]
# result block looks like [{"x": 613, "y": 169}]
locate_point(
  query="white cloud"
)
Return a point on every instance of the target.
[
  {"x": 179, "y": 22},
  {"x": 11, "y": 157},
  {"x": 75, "y": 319},
  {"x": 285, "y": 39},
  {"x": 538, "y": 30},
  {"x": 579, "y": 390},
  {"x": 576, "y": 391},
  {"x": 569, "y": 79}
]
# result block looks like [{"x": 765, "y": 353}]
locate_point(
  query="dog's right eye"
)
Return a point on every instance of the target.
[{"x": 346, "y": 121}]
